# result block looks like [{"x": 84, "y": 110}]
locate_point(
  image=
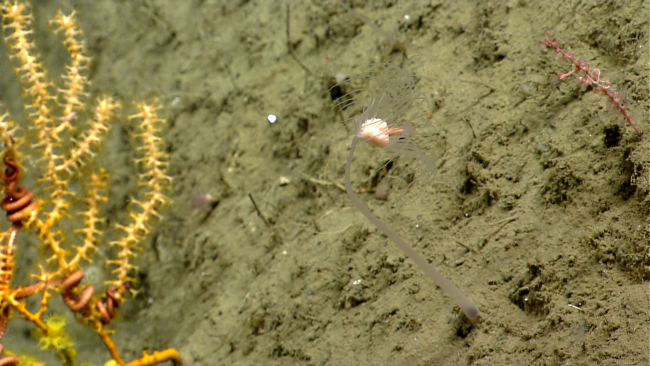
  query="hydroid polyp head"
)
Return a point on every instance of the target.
[
  {"x": 377, "y": 132},
  {"x": 392, "y": 115},
  {"x": 390, "y": 98}
]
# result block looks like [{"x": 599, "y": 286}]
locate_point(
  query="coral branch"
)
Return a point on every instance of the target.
[
  {"x": 589, "y": 79},
  {"x": 155, "y": 179},
  {"x": 67, "y": 142},
  {"x": 75, "y": 79}
]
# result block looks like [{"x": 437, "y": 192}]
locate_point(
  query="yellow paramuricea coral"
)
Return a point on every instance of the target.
[{"x": 67, "y": 125}]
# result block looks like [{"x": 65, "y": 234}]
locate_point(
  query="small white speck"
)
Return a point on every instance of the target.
[
  {"x": 356, "y": 282},
  {"x": 272, "y": 118},
  {"x": 407, "y": 17}
]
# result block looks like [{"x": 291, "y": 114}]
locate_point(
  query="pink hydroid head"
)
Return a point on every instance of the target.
[
  {"x": 393, "y": 104},
  {"x": 377, "y": 132},
  {"x": 394, "y": 112}
]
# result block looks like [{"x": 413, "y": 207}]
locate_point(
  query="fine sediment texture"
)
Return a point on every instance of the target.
[{"x": 538, "y": 207}]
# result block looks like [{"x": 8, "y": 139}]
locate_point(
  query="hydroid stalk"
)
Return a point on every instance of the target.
[{"x": 468, "y": 307}]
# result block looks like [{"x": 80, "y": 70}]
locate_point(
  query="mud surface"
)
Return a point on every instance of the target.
[{"x": 538, "y": 210}]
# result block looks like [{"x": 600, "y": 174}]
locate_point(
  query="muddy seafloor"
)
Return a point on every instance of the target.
[{"x": 538, "y": 210}]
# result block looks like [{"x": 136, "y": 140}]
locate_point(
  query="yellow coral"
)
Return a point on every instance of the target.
[
  {"x": 26, "y": 360},
  {"x": 67, "y": 128},
  {"x": 56, "y": 338},
  {"x": 56, "y": 322}
]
